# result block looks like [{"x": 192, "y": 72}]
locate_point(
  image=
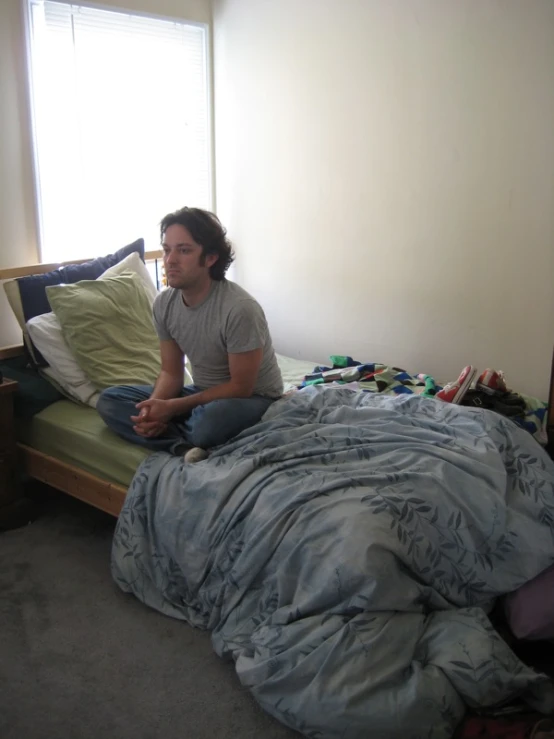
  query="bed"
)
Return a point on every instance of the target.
[
  {"x": 344, "y": 552},
  {"x": 68, "y": 447}
]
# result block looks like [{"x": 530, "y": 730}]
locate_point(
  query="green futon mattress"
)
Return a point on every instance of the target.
[{"x": 77, "y": 435}]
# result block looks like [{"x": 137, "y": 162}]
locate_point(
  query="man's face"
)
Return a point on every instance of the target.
[{"x": 183, "y": 259}]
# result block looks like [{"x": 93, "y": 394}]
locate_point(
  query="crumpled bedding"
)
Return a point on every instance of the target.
[{"x": 344, "y": 553}]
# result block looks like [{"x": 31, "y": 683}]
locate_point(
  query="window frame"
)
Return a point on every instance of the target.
[{"x": 209, "y": 82}]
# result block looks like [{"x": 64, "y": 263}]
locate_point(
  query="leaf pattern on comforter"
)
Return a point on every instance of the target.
[{"x": 344, "y": 553}]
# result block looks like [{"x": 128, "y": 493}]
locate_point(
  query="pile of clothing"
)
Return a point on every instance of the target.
[{"x": 487, "y": 390}]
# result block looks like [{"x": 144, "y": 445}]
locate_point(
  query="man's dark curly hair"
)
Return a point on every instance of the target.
[{"x": 206, "y": 229}]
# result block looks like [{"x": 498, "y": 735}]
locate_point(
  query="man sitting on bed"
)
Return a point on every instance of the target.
[{"x": 223, "y": 332}]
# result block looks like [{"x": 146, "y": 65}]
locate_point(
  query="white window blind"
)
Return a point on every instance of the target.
[{"x": 121, "y": 123}]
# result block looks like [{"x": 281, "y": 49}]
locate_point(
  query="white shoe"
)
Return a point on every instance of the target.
[{"x": 196, "y": 454}]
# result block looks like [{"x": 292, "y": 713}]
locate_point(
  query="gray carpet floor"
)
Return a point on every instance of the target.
[{"x": 82, "y": 660}]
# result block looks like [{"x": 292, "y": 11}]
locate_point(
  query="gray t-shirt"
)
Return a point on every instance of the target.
[{"x": 228, "y": 321}]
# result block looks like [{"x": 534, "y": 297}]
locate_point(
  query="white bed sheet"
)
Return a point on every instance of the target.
[{"x": 293, "y": 371}]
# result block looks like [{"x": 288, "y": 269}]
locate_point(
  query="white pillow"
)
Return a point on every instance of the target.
[
  {"x": 73, "y": 392},
  {"x": 133, "y": 263},
  {"x": 46, "y": 334}
]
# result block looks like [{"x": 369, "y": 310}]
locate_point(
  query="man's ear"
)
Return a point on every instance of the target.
[{"x": 210, "y": 259}]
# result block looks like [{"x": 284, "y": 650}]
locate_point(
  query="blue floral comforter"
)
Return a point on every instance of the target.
[{"x": 344, "y": 553}]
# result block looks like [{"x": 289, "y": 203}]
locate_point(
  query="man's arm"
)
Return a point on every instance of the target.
[
  {"x": 170, "y": 380},
  {"x": 243, "y": 368}
]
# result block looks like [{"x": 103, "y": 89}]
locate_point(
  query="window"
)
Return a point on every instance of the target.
[{"x": 121, "y": 125}]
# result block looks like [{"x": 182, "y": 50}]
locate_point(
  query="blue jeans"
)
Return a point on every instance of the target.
[{"x": 207, "y": 426}]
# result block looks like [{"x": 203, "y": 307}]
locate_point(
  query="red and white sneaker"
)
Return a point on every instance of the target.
[
  {"x": 491, "y": 381},
  {"x": 455, "y": 391}
]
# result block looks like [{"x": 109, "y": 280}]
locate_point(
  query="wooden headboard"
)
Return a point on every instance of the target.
[{"x": 37, "y": 269}]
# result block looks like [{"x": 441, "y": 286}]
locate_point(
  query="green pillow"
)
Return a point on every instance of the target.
[{"x": 108, "y": 326}]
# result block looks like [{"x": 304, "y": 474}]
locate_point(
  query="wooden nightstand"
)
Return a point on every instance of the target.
[{"x": 14, "y": 510}]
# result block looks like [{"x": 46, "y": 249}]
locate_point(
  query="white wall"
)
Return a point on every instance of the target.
[
  {"x": 386, "y": 170},
  {"x": 18, "y": 234},
  {"x": 18, "y": 228}
]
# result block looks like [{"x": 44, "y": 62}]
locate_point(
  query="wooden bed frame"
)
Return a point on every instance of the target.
[{"x": 109, "y": 496}]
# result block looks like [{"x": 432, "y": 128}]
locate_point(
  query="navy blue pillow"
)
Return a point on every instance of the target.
[{"x": 32, "y": 289}]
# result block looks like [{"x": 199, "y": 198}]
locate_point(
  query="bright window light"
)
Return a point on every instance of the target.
[{"x": 121, "y": 125}]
